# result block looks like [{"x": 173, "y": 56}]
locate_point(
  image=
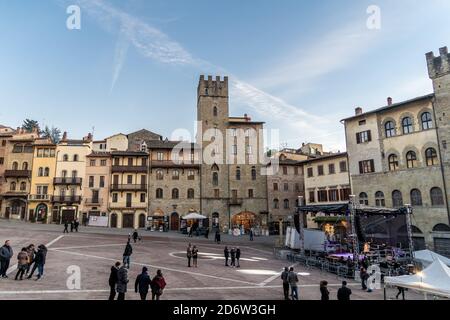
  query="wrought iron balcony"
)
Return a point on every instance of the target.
[
  {"x": 129, "y": 187},
  {"x": 67, "y": 199},
  {"x": 39, "y": 197},
  {"x": 17, "y": 174},
  {"x": 67, "y": 181},
  {"x": 124, "y": 205},
  {"x": 93, "y": 201},
  {"x": 133, "y": 169}
]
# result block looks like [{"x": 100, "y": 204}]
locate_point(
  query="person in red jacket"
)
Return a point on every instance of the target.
[{"x": 158, "y": 284}]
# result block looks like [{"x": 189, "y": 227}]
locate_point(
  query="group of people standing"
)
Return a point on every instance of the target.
[
  {"x": 234, "y": 254},
  {"x": 118, "y": 278},
  {"x": 192, "y": 254},
  {"x": 74, "y": 224},
  {"x": 27, "y": 257}
]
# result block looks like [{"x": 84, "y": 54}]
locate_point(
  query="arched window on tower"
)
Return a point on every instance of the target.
[
  {"x": 411, "y": 159},
  {"x": 215, "y": 111},
  {"x": 379, "y": 199},
  {"x": 431, "y": 157},
  {"x": 416, "y": 197}
]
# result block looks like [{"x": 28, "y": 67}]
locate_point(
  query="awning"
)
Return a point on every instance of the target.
[{"x": 194, "y": 216}]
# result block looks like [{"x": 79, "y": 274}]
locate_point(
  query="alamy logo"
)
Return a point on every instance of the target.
[
  {"x": 74, "y": 280},
  {"x": 73, "y": 21},
  {"x": 374, "y": 19}
]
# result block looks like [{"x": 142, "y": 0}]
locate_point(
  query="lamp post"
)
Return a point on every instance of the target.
[{"x": 300, "y": 223}]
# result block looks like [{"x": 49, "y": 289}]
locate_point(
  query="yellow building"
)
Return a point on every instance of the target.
[
  {"x": 128, "y": 201},
  {"x": 42, "y": 174}
]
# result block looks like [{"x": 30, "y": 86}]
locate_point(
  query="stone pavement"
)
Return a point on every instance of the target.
[{"x": 94, "y": 253}]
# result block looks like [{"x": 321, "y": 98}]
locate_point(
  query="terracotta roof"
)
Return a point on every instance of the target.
[
  {"x": 99, "y": 154},
  {"x": 392, "y": 106},
  {"x": 325, "y": 157}
]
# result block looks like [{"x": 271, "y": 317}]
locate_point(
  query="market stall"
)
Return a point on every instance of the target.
[
  {"x": 193, "y": 221},
  {"x": 427, "y": 257}
]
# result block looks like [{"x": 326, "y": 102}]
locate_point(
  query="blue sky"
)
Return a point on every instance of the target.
[{"x": 301, "y": 66}]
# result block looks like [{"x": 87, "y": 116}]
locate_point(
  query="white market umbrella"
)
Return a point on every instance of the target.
[
  {"x": 193, "y": 215},
  {"x": 426, "y": 257}
]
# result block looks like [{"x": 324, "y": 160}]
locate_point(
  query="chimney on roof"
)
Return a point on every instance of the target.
[
  {"x": 389, "y": 101},
  {"x": 358, "y": 111},
  {"x": 64, "y": 137}
]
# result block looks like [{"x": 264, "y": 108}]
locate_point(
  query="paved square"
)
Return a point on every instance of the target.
[{"x": 95, "y": 251}]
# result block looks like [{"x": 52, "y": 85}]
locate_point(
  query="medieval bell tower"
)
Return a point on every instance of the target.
[{"x": 439, "y": 73}]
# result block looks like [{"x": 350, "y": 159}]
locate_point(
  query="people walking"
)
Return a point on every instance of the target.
[
  {"x": 324, "y": 293},
  {"x": 127, "y": 255},
  {"x": 344, "y": 293},
  {"x": 113, "y": 276},
  {"x": 293, "y": 279},
  {"x": 158, "y": 284},
  {"x": 76, "y": 224},
  {"x": 136, "y": 236},
  {"x": 122, "y": 282},
  {"x": 238, "y": 256},
  {"x": 233, "y": 257},
  {"x": 6, "y": 253},
  {"x": 251, "y": 234},
  {"x": 142, "y": 283},
  {"x": 189, "y": 254},
  {"x": 66, "y": 226},
  {"x": 194, "y": 256},
  {"x": 72, "y": 225},
  {"x": 22, "y": 263},
  {"x": 285, "y": 279},
  {"x": 226, "y": 254},
  {"x": 39, "y": 262},
  {"x": 217, "y": 237}
]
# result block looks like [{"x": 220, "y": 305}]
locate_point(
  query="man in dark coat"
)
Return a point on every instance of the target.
[
  {"x": 217, "y": 237},
  {"x": 189, "y": 254},
  {"x": 238, "y": 256},
  {"x": 66, "y": 226},
  {"x": 71, "y": 226},
  {"x": 142, "y": 283},
  {"x": 113, "y": 280},
  {"x": 284, "y": 278},
  {"x": 76, "y": 224},
  {"x": 126, "y": 255},
  {"x": 233, "y": 257},
  {"x": 122, "y": 281},
  {"x": 226, "y": 254},
  {"x": 344, "y": 293},
  {"x": 6, "y": 253}
]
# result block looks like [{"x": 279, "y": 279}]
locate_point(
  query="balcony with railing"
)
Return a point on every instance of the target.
[
  {"x": 128, "y": 205},
  {"x": 93, "y": 201},
  {"x": 66, "y": 199},
  {"x": 131, "y": 169},
  {"x": 129, "y": 187},
  {"x": 173, "y": 164},
  {"x": 17, "y": 174},
  {"x": 67, "y": 181},
  {"x": 39, "y": 197}
]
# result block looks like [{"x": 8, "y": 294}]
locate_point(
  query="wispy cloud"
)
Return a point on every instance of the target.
[
  {"x": 122, "y": 46},
  {"x": 310, "y": 61},
  {"x": 328, "y": 54}
]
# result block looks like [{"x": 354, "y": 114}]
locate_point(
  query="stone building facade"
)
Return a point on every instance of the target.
[
  {"x": 397, "y": 157},
  {"x": 233, "y": 188}
]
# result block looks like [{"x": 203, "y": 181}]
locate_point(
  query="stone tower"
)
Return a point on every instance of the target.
[
  {"x": 439, "y": 73},
  {"x": 212, "y": 116}
]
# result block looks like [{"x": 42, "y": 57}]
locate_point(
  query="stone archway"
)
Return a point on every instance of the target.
[{"x": 246, "y": 219}]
